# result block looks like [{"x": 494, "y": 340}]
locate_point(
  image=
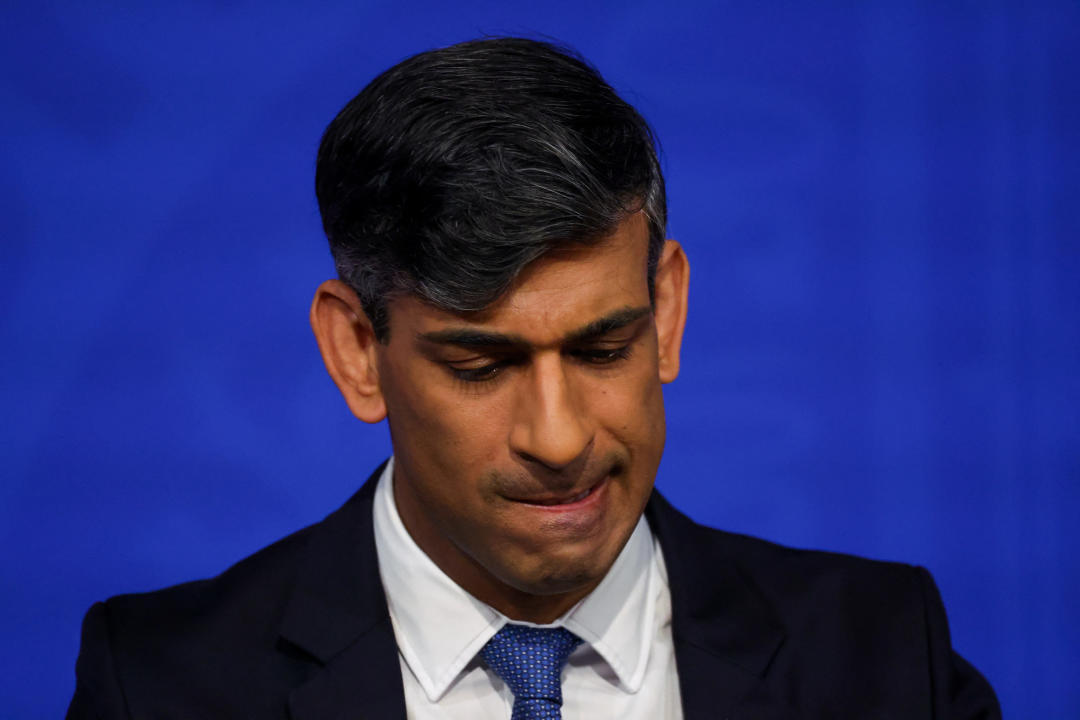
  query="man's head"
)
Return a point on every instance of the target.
[
  {"x": 508, "y": 301},
  {"x": 453, "y": 170}
]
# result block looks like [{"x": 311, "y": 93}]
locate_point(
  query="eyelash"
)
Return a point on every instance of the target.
[
  {"x": 484, "y": 373},
  {"x": 489, "y": 372}
]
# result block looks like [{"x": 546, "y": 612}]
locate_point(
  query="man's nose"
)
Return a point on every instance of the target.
[{"x": 550, "y": 426}]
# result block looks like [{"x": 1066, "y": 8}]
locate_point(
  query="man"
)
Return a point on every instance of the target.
[{"x": 507, "y": 300}]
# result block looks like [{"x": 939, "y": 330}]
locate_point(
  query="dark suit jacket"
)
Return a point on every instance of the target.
[{"x": 301, "y": 630}]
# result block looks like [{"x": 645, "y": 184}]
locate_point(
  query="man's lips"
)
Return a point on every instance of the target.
[{"x": 571, "y": 497}]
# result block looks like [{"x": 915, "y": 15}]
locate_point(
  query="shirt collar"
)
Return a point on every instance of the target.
[{"x": 440, "y": 627}]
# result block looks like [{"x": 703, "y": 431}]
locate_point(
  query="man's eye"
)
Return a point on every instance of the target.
[
  {"x": 603, "y": 356},
  {"x": 480, "y": 373}
]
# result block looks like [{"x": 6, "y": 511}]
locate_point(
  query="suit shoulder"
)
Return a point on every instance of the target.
[
  {"x": 766, "y": 557},
  {"x": 187, "y": 645},
  {"x": 256, "y": 582},
  {"x": 177, "y": 631},
  {"x": 764, "y": 560},
  {"x": 219, "y": 647},
  {"x": 790, "y": 577}
]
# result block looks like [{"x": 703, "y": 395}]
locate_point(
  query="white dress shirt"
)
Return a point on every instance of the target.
[{"x": 624, "y": 669}]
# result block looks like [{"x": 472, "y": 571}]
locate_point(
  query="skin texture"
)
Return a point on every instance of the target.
[{"x": 501, "y": 419}]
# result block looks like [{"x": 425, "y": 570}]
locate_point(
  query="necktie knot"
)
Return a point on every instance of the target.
[{"x": 530, "y": 661}]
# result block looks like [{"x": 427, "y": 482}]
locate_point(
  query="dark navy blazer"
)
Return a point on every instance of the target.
[{"x": 301, "y": 630}]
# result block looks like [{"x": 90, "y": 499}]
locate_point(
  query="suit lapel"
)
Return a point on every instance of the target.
[
  {"x": 725, "y": 634},
  {"x": 337, "y": 615},
  {"x": 363, "y": 682}
]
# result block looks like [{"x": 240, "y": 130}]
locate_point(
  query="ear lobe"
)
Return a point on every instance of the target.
[
  {"x": 347, "y": 344},
  {"x": 671, "y": 289}
]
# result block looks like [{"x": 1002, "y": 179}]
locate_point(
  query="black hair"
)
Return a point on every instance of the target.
[{"x": 456, "y": 168}]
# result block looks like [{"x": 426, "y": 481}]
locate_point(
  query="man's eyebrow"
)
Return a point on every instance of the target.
[
  {"x": 469, "y": 337},
  {"x": 609, "y": 323}
]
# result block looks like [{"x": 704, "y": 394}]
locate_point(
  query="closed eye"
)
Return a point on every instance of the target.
[
  {"x": 602, "y": 356},
  {"x": 490, "y": 370},
  {"x": 479, "y": 373}
]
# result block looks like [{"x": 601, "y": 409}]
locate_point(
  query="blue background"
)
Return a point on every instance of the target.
[{"x": 880, "y": 205}]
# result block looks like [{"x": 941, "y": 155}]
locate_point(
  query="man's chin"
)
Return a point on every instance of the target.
[
  {"x": 563, "y": 582},
  {"x": 562, "y": 575},
  {"x": 567, "y": 566}
]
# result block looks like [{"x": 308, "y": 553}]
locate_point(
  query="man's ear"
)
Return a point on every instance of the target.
[
  {"x": 671, "y": 287},
  {"x": 347, "y": 343}
]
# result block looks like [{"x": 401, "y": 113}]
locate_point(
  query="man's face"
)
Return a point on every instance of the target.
[{"x": 527, "y": 436}]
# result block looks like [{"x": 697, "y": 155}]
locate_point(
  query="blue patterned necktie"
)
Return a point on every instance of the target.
[{"x": 530, "y": 661}]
